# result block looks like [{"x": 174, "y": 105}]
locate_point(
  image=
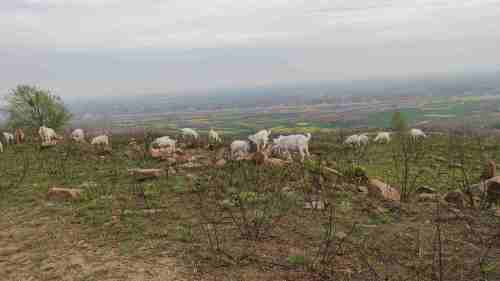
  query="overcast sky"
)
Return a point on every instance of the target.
[{"x": 97, "y": 47}]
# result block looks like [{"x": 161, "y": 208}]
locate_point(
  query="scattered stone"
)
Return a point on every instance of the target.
[
  {"x": 425, "y": 189},
  {"x": 64, "y": 194},
  {"x": 276, "y": 162},
  {"x": 493, "y": 189},
  {"x": 191, "y": 165},
  {"x": 340, "y": 235},
  {"x": 427, "y": 197},
  {"x": 362, "y": 189},
  {"x": 47, "y": 144},
  {"x": 331, "y": 174},
  {"x": 220, "y": 163},
  {"x": 146, "y": 173},
  {"x": 316, "y": 204},
  {"x": 456, "y": 198},
  {"x": 380, "y": 189}
]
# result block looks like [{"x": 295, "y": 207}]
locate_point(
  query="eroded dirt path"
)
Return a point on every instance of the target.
[{"x": 42, "y": 248}]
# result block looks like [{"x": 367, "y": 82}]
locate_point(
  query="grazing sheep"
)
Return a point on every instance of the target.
[
  {"x": 47, "y": 135},
  {"x": 9, "y": 138},
  {"x": 213, "y": 136},
  {"x": 260, "y": 139},
  {"x": 101, "y": 140},
  {"x": 78, "y": 135},
  {"x": 239, "y": 148},
  {"x": 293, "y": 143},
  {"x": 164, "y": 143},
  {"x": 364, "y": 139},
  {"x": 417, "y": 133},
  {"x": 357, "y": 140},
  {"x": 383, "y": 137},
  {"x": 19, "y": 134},
  {"x": 188, "y": 132}
]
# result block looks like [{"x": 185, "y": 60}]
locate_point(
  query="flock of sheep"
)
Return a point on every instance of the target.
[
  {"x": 282, "y": 146},
  {"x": 382, "y": 137}
]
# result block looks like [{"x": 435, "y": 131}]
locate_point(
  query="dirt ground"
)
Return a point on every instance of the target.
[{"x": 35, "y": 247}]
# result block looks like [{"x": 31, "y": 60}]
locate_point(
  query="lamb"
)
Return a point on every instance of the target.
[
  {"x": 9, "y": 138},
  {"x": 383, "y": 137},
  {"x": 239, "y": 148},
  {"x": 47, "y": 135},
  {"x": 417, "y": 133},
  {"x": 260, "y": 139},
  {"x": 100, "y": 140},
  {"x": 78, "y": 135},
  {"x": 188, "y": 132},
  {"x": 294, "y": 143},
  {"x": 357, "y": 140},
  {"x": 213, "y": 136}
]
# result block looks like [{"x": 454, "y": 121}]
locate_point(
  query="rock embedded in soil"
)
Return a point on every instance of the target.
[
  {"x": 275, "y": 162},
  {"x": 377, "y": 188},
  {"x": 315, "y": 204},
  {"x": 146, "y": 173},
  {"x": 64, "y": 194},
  {"x": 427, "y": 197},
  {"x": 456, "y": 198},
  {"x": 362, "y": 189},
  {"x": 493, "y": 189},
  {"x": 425, "y": 189},
  {"x": 220, "y": 163}
]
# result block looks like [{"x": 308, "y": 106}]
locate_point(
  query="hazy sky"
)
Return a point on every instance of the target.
[{"x": 94, "y": 47}]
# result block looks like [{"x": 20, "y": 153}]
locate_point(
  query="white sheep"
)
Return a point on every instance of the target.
[
  {"x": 383, "y": 137},
  {"x": 188, "y": 132},
  {"x": 357, "y": 140},
  {"x": 260, "y": 139},
  {"x": 213, "y": 136},
  {"x": 47, "y": 134},
  {"x": 417, "y": 133},
  {"x": 100, "y": 140},
  {"x": 239, "y": 148},
  {"x": 293, "y": 143},
  {"x": 78, "y": 135},
  {"x": 364, "y": 139},
  {"x": 9, "y": 138},
  {"x": 164, "y": 143}
]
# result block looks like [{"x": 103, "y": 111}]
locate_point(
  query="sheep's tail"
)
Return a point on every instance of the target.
[{"x": 308, "y": 136}]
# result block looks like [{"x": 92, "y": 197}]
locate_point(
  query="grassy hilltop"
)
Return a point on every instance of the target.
[{"x": 246, "y": 222}]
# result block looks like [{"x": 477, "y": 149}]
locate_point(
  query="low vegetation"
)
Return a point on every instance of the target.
[{"x": 244, "y": 221}]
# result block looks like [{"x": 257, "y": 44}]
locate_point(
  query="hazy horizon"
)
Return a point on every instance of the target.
[{"x": 103, "y": 47}]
